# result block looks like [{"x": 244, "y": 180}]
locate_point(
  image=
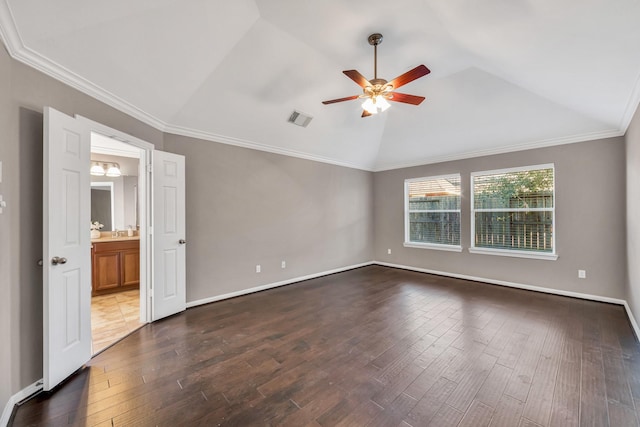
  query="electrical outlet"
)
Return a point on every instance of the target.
[
  {"x": 283, "y": 264},
  {"x": 388, "y": 251},
  {"x": 258, "y": 268},
  {"x": 582, "y": 274}
]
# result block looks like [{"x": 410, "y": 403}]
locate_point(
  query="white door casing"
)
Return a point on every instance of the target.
[
  {"x": 169, "y": 252},
  {"x": 66, "y": 237},
  {"x": 66, "y": 244}
]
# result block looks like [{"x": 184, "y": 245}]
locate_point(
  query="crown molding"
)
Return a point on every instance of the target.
[
  {"x": 68, "y": 77},
  {"x": 208, "y": 136},
  {"x": 502, "y": 150},
  {"x": 8, "y": 31},
  {"x": 22, "y": 53},
  {"x": 632, "y": 105}
]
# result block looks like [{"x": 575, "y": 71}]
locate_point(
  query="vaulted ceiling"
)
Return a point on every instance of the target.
[{"x": 505, "y": 74}]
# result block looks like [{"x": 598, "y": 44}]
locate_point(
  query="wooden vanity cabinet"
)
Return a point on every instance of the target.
[{"x": 115, "y": 266}]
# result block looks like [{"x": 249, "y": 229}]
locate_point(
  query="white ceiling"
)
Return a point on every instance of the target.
[{"x": 505, "y": 74}]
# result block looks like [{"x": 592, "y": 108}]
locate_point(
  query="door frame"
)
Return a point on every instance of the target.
[{"x": 144, "y": 184}]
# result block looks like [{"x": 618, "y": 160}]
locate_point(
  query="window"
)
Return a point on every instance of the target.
[
  {"x": 513, "y": 212},
  {"x": 432, "y": 212}
]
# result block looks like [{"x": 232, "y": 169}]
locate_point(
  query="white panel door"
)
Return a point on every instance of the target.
[
  {"x": 66, "y": 248},
  {"x": 169, "y": 294}
]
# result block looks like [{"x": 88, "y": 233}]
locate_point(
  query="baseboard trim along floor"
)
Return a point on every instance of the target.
[{"x": 23, "y": 394}]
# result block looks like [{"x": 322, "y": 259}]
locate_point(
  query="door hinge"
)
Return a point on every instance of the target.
[{"x": 149, "y": 168}]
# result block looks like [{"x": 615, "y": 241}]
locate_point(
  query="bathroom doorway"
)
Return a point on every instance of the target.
[{"x": 115, "y": 241}]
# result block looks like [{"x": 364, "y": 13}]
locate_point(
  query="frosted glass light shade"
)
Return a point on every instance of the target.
[
  {"x": 369, "y": 106},
  {"x": 113, "y": 171},
  {"x": 96, "y": 169},
  {"x": 375, "y": 105},
  {"x": 382, "y": 103}
]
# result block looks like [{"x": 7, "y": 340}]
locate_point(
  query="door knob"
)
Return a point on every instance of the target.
[
  {"x": 182, "y": 241},
  {"x": 58, "y": 260}
]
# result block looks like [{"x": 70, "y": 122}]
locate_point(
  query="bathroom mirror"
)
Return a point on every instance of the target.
[
  {"x": 102, "y": 204},
  {"x": 114, "y": 202},
  {"x": 122, "y": 211}
]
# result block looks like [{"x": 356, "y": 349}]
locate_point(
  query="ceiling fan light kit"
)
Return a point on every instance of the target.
[
  {"x": 375, "y": 105},
  {"x": 377, "y": 92}
]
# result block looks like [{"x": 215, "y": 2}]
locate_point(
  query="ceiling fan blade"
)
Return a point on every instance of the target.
[
  {"x": 357, "y": 77},
  {"x": 407, "y": 99},
  {"x": 365, "y": 113},
  {"x": 348, "y": 98},
  {"x": 409, "y": 76}
]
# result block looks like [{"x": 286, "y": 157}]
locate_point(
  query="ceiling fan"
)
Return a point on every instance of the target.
[{"x": 376, "y": 92}]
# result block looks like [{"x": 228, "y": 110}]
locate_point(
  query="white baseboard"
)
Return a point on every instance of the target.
[
  {"x": 17, "y": 398},
  {"x": 509, "y": 284},
  {"x": 632, "y": 320},
  {"x": 274, "y": 285}
]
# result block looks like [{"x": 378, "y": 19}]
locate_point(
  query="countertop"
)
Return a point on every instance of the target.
[{"x": 114, "y": 239}]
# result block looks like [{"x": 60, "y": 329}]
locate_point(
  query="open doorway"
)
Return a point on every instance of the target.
[{"x": 115, "y": 241}]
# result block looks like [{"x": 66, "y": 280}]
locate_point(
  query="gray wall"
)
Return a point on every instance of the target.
[
  {"x": 23, "y": 94},
  {"x": 8, "y": 274},
  {"x": 590, "y": 195},
  {"x": 129, "y": 201},
  {"x": 633, "y": 215},
  {"x": 246, "y": 207}
]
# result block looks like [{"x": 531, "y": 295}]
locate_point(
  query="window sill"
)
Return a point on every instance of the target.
[
  {"x": 515, "y": 254},
  {"x": 449, "y": 248}
]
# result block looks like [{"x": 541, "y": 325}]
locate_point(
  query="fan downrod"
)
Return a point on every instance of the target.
[{"x": 374, "y": 40}]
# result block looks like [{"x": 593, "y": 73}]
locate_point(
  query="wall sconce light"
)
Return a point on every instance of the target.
[{"x": 109, "y": 169}]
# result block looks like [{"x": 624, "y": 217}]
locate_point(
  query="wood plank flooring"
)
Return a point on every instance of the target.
[{"x": 374, "y": 346}]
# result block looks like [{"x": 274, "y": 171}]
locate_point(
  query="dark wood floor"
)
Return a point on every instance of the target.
[{"x": 373, "y": 346}]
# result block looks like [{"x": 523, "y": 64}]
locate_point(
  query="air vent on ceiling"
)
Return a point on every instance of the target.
[{"x": 300, "y": 119}]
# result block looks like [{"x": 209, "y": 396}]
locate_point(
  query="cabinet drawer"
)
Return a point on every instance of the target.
[{"x": 123, "y": 245}]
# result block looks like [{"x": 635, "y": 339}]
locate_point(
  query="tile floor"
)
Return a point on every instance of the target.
[{"x": 113, "y": 317}]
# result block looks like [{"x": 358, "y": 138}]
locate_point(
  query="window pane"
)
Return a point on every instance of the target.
[
  {"x": 527, "y": 231},
  {"x": 435, "y": 227},
  {"x": 514, "y": 190},
  {"x": 435, "y": 194}
]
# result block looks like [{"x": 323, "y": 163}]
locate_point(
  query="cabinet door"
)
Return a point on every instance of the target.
[
  {"x": 106, "y": 269},
  {"x": 130, "y": 267}
]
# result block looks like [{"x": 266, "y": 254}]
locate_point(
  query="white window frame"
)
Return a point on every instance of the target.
[
  {"x": 551, "y": 256},
  {"x": 420, "y": 245}
]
